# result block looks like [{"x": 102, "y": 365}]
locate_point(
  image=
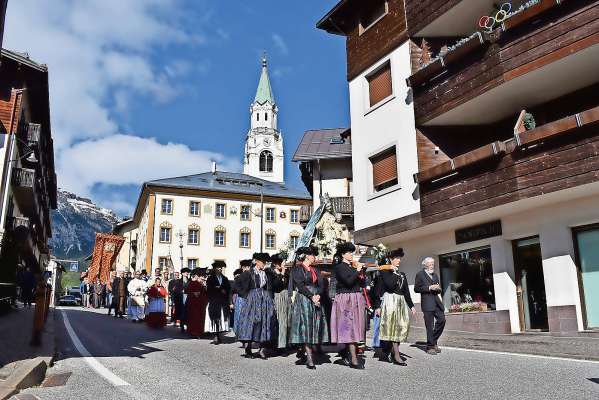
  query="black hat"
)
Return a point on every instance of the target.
[
  {"x": 276, "y": 259},
  {"x": 345, "y": 247},
  {"x": 397, "y": 253},
  {"x": 198, "y": 272},
  {"x": 306, "y": 250},
  {"x": 264, "y": 257},
  {"x": 219, "y": 264},
  {"x": 184, "y": 270},
  {"x": 245, "y": 263},
  {"x": 238, "y": 271}
]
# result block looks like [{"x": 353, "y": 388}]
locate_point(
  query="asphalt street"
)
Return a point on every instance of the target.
[{"x": 131, "y": 361}]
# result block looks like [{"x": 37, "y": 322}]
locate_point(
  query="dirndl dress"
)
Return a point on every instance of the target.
[
  {"x": 257, "y": 318},
  {"x": 395, "y": 318},
  {"x": 282, "y": 310},
  {"x": 307, "y": 322},
  {"x": 239, "y": 304},
  {"x": 348, "y": 318}
]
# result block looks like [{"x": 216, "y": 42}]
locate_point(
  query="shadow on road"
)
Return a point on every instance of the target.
[{"x": 107, "y": 336}]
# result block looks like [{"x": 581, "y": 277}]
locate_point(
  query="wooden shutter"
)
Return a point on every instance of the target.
[
  {"x": 379, "y": 85},
  {"x": 384, "y": 167}
]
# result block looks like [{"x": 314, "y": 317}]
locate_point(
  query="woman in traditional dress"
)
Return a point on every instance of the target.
[
  {"x": 307, "y": 320},
  {"x": 195, "y": 306},
  {"x": 281, "y": 299},
  {"x": 348, "y": 317},
  {"x": 394, "y": 304},
  {"x": 218, "y": 311},
  {"x": 156, "y": 305},
  {"x": 239, "y": 294},
  {"x": 257, "y": 318}
]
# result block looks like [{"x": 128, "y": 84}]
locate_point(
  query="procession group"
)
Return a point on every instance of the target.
[{"x": 275, "y": 308}]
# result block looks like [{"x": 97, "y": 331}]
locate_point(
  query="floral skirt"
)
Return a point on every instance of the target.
[
  {"x": 239, "y": 303},
  {"x": 282, "y": 309},
  {"x": 257, "y": 318},
  {"x": 348, "y": 318},
  {"x": 307, "y": 322},
  {"x": 395, "y": 318}
]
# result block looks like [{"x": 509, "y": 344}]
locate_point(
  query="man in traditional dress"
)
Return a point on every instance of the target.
[
  {"x": 119, "y": 295},
  {"x": 219, "y": 290},
  {"x": 175, "y": 291},
  {"x": 137, "y": 289}
]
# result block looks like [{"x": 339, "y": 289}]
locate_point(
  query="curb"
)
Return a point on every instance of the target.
[{"x": 32, "y": 372}]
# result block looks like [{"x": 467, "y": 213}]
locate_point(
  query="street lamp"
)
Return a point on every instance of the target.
[{"x": 181, "y": 235}]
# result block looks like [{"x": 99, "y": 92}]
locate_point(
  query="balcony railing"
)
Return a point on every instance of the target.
[
  {"x": 467, "y": 84},
  {"x": 33, "y": 133},
  {"x": 20, "y": 222},
  {"x": 343, "y": 205},
  {"x": 23, "y": 177}
]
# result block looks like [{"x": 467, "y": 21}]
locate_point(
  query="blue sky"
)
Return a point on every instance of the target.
[{"x": 147, "y": 89}]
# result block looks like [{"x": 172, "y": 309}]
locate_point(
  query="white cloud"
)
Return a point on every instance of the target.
[
  {"x": 280, "y": 44},
  {"x": 131, "y": 160},
  {"x": 101, "y": 55}
]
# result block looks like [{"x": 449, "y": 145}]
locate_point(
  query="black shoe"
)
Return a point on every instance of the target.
[
  {"x": 431, "y": 351},
  {"x": 437, "y": 349},
  {"x": 385, "y": 357},
  {"x": 262, "y": 354},
  {"x": 356, "y": 366},
  {"x": 400, "y": 363},
  {"x": 248, "y": 352},
  {"x": 310, "y": 366}
]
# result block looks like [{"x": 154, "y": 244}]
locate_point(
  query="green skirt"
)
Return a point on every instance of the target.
[
  {"x": 307, "y": 322},
  {"x": 395, "y": 318}
]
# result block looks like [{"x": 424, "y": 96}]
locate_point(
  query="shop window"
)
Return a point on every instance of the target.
[
  {"x": 380, "y": 84},
  {"x": 467, "y": 280},
  {"x": 384, "y": 170}
]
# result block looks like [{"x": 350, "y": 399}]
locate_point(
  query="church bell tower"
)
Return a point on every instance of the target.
[{"x": 264, "y": 143}]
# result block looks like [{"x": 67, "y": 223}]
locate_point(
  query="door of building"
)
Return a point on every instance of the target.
[
  {"x": 530, "y": 283},
  {"x": 587, "y": 251}
]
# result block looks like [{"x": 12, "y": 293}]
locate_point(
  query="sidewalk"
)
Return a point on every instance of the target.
[
  {"x": 580, "y": 347},
  {"x": 23, "y": 365}
]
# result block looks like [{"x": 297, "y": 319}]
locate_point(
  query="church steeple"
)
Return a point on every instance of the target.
[
  {"x": 264, "y": 144},
  {"x": 264, "y": 91}
]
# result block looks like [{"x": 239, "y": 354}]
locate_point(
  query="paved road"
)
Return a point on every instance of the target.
[{"x": 139, "y": 363}]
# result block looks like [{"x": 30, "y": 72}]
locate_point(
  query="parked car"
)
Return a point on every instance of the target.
[{"x": 69, "y": 300}]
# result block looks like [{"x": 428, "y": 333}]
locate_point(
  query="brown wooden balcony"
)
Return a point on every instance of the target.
[
  {"x": 554, "y": 157},
  {"x": 20, "y": 223},
  {"x": 23, "y": 178},
  {"x": 343, "y": 205},
  {"x": 539, "y": 54}
]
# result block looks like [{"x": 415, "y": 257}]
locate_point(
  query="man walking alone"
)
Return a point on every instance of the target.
[{"x": 427, "y": 284}]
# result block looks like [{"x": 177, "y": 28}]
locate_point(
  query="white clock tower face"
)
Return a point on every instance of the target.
[{"x": 267, "y": 142}]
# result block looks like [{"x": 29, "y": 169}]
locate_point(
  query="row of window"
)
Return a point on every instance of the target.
[
  {"x": 220, "y": 237},
  {"x": 220, "y": 211}
]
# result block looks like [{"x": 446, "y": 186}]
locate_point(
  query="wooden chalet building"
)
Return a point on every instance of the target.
[
  {"x": 28, "y": 179},
  {"x": 475, "y": 140}
]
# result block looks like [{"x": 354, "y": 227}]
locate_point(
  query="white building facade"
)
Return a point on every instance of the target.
[{"x": 191, "y": 221}]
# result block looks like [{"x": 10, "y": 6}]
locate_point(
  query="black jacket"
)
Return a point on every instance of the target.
[
  {"x": 301, "y": 280},
  {"x": 429, "y": 300},
  {"x": 390, "y": 282},
  {"x": 348, "y": 278},
  {"x": 249, "y": 280},
  {"x": 218, "y": 292},
  {"x": 115, "y": 288},
  {"x": 175, "y": 289}
]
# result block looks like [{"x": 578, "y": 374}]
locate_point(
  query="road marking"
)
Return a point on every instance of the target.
[
  {"x": 93, "y": 363},
  {"x": 521, "y": 355}
]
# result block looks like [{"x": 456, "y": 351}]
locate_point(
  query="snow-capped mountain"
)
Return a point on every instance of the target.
[{"x": 75, "y": 223}]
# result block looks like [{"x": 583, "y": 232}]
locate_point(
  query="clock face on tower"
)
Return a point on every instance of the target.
[{"x": 267, "y": 142}]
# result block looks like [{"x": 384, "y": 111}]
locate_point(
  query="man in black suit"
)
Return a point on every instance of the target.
[{"x": 427, "y": 284}]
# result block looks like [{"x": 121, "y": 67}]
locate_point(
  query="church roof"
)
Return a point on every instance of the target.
[
  {"x": 264, "y": 91},
  {"x": 231, "y": 182}
]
